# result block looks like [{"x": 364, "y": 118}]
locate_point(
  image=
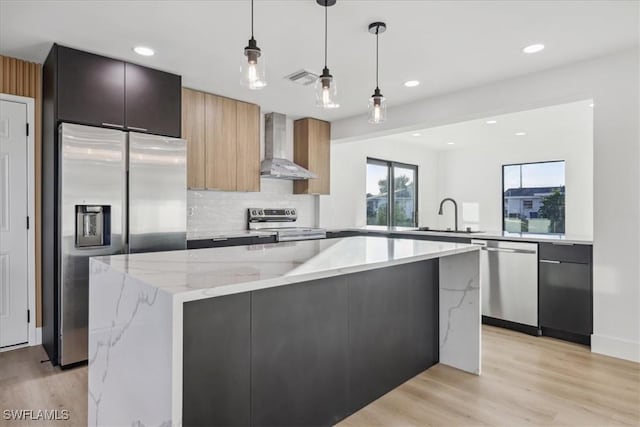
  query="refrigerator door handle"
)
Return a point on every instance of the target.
[
  {"x": 113, "y": 125},
  {"x": 138, "y": 129}
]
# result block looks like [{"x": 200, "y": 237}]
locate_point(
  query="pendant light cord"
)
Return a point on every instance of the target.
[
  {"x": 377, "y": 50},
  {"x": 251, "y": 18},
  {"x": 325, "y": 34}
]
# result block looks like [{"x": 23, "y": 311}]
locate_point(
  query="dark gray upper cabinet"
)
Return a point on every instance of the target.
[
  {"x": 95, "y": 90},
  {"x": 90, "y": 88},
  {"x": 152, "y": 100}
]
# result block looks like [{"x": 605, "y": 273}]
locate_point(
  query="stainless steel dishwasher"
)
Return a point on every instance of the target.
[{"x": 509, "y": 282}]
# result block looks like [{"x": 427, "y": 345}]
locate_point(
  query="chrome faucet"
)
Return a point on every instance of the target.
[{"x": 455, "y": 207}]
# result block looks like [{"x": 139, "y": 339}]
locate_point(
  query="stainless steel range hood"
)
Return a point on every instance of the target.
[{"x": 275, "y": 165}]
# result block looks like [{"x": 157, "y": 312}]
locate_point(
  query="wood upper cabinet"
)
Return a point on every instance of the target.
[
  {"x": 193, "y": 118},
  {"x": 152, "y": 100},
  {"x": 312, "y": 150},
  {"x": 90, "y": 88},
  {"x": 248, "y": 147},
  {"x": 220, "y": 143},
  {"x": 223, "y": 140}
]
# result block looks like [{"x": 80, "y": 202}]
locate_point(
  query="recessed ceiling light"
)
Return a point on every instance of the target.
[
  {"x": 534, "y": 48},
  {"x": 450, "y": 143},
  {"x": 412, "y": 83},
  {"x": 491, "y": 122},
  {"x": 416, "y": 134},
  {"x": 521, "y": 133},
  {"x": 144, "y": 51}
]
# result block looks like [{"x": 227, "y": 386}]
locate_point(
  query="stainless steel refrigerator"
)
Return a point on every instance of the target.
[{"x": 119, "y": 192}]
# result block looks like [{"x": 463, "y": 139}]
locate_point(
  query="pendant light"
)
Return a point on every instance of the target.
[
  {"x": 326, "y": 88},
  {"x": 377, "y": 102},
  {"x": 252, "y": 71}
]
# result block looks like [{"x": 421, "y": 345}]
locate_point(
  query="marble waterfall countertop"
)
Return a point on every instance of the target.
[
  {"x": 204, "y": 273},
  {"x": 137, "y": 310},
  {"x": 491, "y": 235}
]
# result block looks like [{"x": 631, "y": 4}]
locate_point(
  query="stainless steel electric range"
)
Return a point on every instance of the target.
[{"x": 278, "y": 221}]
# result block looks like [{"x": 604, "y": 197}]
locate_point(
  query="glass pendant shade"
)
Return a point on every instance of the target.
[
  {"x": 252, "y": 68},
  {"x": 326, "y": 91},
  {"x": 377, "y": 108}
]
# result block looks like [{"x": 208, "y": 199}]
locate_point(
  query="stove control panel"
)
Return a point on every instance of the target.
[{"x": 272, "y": 215}]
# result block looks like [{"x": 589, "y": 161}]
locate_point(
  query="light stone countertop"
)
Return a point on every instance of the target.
[{"x": 204, "y": 273}]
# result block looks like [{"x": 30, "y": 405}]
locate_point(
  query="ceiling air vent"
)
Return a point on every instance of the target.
[{"x": 302, "y": 77}]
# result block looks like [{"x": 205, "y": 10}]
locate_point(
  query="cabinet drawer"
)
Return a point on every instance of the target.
[
  {"x": 232, "y": 241},
  {"x": 565, "y": 253}
]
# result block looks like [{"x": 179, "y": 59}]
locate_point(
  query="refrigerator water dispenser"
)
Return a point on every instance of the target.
[{"x": 93, "y": 226}]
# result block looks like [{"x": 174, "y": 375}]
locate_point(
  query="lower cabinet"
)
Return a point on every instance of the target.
[
  {"x": 216, "y": 361},
  {"x": 299, "y": 359},
  {"x": 565, "y": 292},
  {"x": 308, "y": 354},
  {"x": 393, "y": 328},
  {"x": 230, "y": 241},
  {"x": 565, "y": 297}
]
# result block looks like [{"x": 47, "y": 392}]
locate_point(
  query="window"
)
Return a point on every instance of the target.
[
  {"x": 534, "y": 198},
  {"x": 382, "y": 175}
]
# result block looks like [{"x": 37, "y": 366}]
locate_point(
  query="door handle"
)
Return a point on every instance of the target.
[
  {"x": 507, "y": 250},
  {"x": 562, "y": 244},
  {"x": 135, "y": 128},
  {"x": 113, "y": 125},
  {"x": 549, "y": 261}
]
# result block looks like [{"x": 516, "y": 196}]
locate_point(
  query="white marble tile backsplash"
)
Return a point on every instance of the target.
[{"x": 210, "y": 212}]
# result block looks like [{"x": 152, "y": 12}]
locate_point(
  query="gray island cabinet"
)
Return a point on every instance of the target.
[{"x": 300, "y": 333}]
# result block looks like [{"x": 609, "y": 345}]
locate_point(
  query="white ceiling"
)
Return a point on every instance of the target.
[
  {"x": 555, "y": 123},
  {"x": 447, "y": 45}
]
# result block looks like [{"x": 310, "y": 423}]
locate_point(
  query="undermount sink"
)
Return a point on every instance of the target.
[{"x": 449, "y": 230}]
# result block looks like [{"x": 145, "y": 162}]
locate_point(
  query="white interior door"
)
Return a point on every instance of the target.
[{"x": 14, "y": 303}]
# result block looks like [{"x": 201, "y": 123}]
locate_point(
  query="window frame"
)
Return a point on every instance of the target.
[
  {"x": 524, "y": 164},
  {"x": 390, "y": 165}
]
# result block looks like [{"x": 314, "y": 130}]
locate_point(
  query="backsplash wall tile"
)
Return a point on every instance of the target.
[{"x": 209, "y": 212}]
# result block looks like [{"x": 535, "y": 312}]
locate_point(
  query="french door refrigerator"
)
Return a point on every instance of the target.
[{"x": 117, "y": 192}]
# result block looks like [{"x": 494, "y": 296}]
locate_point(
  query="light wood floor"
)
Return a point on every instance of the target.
[{"x": 525, "y": 381}]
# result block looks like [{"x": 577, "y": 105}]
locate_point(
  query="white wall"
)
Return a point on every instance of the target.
[
  {"x": 612, "y": 82},
  {"x": 346, "y": 206},
  {"x": 212, "y": 212},
  {"x": 473, "y": 177}
]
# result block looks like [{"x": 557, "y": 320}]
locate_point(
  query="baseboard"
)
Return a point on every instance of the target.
[
  {"x": 38, "y": 337},
  {"x": 566, "y": 336},
  {"x": 519, "y": 327},
  {"x": 615, "y": 347}
]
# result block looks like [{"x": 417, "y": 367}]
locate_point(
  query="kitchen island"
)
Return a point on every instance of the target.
[{"x": 297, "y": 333}]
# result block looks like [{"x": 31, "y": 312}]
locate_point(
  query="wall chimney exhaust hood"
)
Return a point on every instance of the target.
[{"x": 275, "y": 165}]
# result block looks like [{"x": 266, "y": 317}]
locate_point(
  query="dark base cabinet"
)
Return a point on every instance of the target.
[
  {"x": 231, "y": 241},
  {"x": 217, "y": 361},
  {"x": 393, "y": 328},
  {"x": 299, "y": 354},
  {"x": 308, "y": 354},
  {"x": 565, "y": 292}
]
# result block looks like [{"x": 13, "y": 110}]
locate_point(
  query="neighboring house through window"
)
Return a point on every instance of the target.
[
  {"x": 534, "y": 197},
  {"x": 402, "y": 178}
]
